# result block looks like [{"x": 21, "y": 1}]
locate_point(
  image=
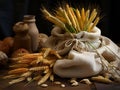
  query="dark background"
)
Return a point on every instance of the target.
[{"x": 12, "y": 11}]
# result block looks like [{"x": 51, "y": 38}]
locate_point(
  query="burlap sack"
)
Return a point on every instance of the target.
[
  {"x": 57, "y": 40},
  {"x": 88, "y": 54},
  {"x": 89, "y": 63},
  {"x": 63, "y": 41}
]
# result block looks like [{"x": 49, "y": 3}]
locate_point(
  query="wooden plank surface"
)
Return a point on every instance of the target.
[
  {"x": 4, "y": 85},
  {"x": 101, "y": 86}
]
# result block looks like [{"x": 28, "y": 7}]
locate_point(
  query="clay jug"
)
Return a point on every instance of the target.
[
  {"x": 21, "y": 38},
  {"x": 33, "y": 31}
]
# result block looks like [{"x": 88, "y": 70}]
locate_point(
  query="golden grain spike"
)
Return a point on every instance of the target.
[
  {"x": 51, "y": 77},
  {"x": 26, "y": 74},
  {"x": 17, "y": 80},
  {"x": 52, "y": 64},
  {"x": 18, "y": 71},
  {"x": 71, "y": 16},
  {"x": 25, "y": 61},
  {"x": 47, "y": 62},
  {"x": 39, "y": 59},
  {"x": 59, "y": 12},
  {"x": 83, "y": 15},
  {"x": 15, "y": 59},
  {"x": 26, "y": 56},
  {"x": 31, "y": 55},
  {"x": 101, "y": 79},
  {"x": 93, "y": 12},
  {"x": 44, "y": 78},
  {"x": 46, "y": 53},
  {"x": 10, "y": 76},
  {"x": 61, "y": 19},
  {"x": 53, "y": 19},
  {"x": 46, "y": 70},
  {"x": 37, "y": 68},
  {"x": 55, "y": 53},
  {"x": 92, "y": 17},
  {"x": 75, "y": 18},
  {"x": 19, "y": 66},
  {"x": 79, "y": 19},
  {"x": 94, "y": 24},
  {"x": 44, "y": 61},
  {"x": 34, "y": 62},
  {"x": 87, "y": 15},
  {"x": 67, "y": 18}
]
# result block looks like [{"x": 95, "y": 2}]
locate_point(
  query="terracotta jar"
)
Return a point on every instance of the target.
[
  {"x": 33, "y": 31},
  {"x": 22, "y": 38}
]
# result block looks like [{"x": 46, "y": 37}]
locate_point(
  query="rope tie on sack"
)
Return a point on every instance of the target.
[
  {"x": 110, "y": 68},
  {"x": 78, "y": 44}
]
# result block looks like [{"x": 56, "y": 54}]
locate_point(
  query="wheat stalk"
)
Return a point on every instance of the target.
[{"x": 73, "y": 20}]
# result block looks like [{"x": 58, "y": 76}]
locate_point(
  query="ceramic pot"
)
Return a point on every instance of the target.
[
  {"x": 22, "y": 38},
  {"x": 33, "y": 31}
]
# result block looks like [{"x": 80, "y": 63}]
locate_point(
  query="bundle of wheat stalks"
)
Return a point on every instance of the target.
[
  {"x": 73, "y": 20},
  {"x": 33, "y": 67}
]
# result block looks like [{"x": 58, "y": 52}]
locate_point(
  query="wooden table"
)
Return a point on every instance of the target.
[{"x": 33, "y": 86}]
